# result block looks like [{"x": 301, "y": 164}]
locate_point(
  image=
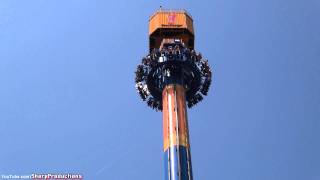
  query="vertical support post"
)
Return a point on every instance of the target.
[{"x": 176, "y": 145}]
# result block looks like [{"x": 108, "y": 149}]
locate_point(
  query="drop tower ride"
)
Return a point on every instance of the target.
[{"x": 171, "y": 78}]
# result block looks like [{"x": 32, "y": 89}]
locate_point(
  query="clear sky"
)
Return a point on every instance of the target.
[{"x": 68, "y": 103}]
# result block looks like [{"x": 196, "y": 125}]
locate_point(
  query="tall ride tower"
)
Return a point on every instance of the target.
[{"x": 171, "y": 77}]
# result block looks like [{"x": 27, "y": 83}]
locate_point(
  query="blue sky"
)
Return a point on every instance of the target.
[{"x": 68, "y": 103}]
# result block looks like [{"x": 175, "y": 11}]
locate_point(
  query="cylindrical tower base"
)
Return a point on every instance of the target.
[{"x": 177, "y": 158}]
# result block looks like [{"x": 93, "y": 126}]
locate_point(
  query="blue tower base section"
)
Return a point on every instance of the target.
[{"x": 177, "y": 163}]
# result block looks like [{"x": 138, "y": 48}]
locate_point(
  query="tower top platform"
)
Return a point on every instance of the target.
[
  {"x": 176, "y": 24},
  {"x": 171, "y": 19}
]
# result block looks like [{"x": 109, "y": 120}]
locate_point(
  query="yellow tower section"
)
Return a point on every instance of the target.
[{"x": 171, "y": 24}]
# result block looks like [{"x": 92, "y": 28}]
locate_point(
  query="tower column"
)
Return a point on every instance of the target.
[
  {"x": 176, "y": 145},
  {"x": 172, "y": 77}
]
